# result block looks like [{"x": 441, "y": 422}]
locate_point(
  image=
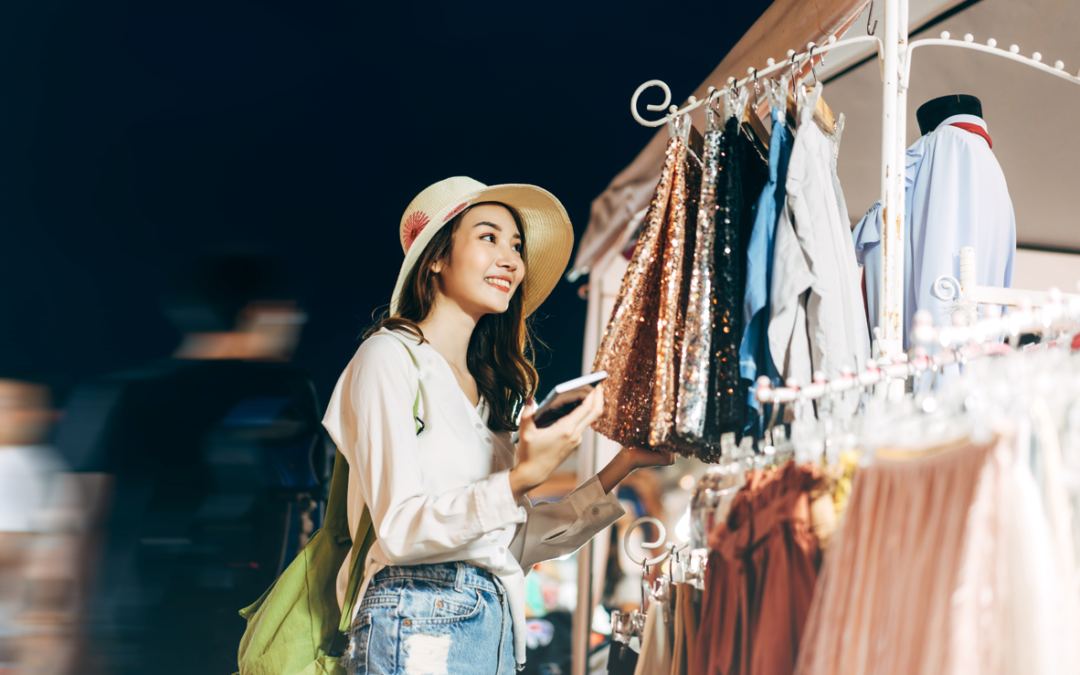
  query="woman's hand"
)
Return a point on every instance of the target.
[
  {"x": 629, "y": 460},
  {"x": 541, "y": 451}
]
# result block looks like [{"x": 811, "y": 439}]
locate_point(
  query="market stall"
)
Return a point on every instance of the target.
[{"x": 895, "y": 55}]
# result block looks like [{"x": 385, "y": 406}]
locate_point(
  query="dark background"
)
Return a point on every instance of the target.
[{"x": 139, "y": 133}]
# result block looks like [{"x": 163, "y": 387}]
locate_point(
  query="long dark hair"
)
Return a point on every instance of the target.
[{"x": 500, "y": 349}]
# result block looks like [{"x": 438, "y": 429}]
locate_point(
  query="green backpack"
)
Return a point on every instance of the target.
[{"x": 295, "y": 628}]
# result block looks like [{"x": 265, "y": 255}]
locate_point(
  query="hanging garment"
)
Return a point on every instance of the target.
[
  {"x": 622, "y": 660},
  {"x": 675, "y": 278},
  {"x": 1008, "y": 611},
  {"x": 741, "y": 177},
  {"x": 694, "y": 379},
  {"x": 955, "y": 195},
  {"x": 655, "y": 657},
  {"x": 691, "y": 610},
  {"x": 1036, "y": 642},
  {"x": 1060, "y": 516},
  {"x": 629, "y": 346},
  {"x": 754, "y": 357},
  {"x": 679, "y": 664},
  {"x": 883, "y": 600},
  {"x": 816, "y": 300},
  {"x": 761, "y": 575},
  {"x": 977, "y": 614}
]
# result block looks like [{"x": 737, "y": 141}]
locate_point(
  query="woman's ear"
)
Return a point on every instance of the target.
[{"x": 436, "y": 267}]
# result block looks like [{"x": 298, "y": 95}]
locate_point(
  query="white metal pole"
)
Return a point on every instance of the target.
[
  {"x": 891, "y": 317},
  {"x": 581, "y": 626}
]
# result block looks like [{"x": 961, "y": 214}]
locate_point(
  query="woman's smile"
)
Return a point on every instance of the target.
[{"x": 501, "y": 283}]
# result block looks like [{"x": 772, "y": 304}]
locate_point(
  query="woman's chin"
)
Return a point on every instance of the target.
[{"x": 496, "y": 307}]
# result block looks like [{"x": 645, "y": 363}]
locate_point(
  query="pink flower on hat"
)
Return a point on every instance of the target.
[
  {"x": 414, "y": 225},
  {"x": 457, "y": 209}
]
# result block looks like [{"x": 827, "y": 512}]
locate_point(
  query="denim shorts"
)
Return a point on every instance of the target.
[{"x": 441, "y": 619}]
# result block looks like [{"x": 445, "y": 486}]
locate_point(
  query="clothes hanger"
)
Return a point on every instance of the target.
[
  {"x": 792, "y": 96},
  {"x": 713, "y": 115},
  {"x": 823, "y": 114},
  {"x": 735, "y": 102},
  {"x": 682, "y": 127},
  {"x": 711, "y": 500},
  {"x": 751, "y": 118}
]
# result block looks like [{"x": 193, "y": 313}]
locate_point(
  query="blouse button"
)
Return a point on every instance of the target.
[
  {"x": 479, "y": 426},
  {"x": 406, "y": 622},
  {"x": 596, "y": 510}
]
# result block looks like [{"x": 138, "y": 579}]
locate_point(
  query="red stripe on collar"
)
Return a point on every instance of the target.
[{"x": 975, "y": 129}]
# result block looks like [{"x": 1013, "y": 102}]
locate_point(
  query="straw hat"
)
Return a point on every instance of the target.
[{"x": 549, "y": 236}]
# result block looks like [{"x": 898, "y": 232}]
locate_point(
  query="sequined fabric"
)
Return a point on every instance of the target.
[
  {"x": 693, "y": 390},
  {"x": 629, "y": 346},
  {"x": 678, "y": 258},
  {"x": 740, "y": 179}
]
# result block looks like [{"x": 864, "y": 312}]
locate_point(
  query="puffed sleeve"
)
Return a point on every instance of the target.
[
  {"x": 370, "y": 418},
  {"x": 554, "y": 529}
]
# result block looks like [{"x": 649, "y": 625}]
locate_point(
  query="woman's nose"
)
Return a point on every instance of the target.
[{"x": 508, "y": 262}]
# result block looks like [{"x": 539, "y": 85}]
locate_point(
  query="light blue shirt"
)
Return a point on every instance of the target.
[
  {"x": 754, "y": 356},
  {"x": 955, "y": 196}
]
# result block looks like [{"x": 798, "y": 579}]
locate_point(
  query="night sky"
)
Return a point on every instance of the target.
[{"x": 137, "y": 134}]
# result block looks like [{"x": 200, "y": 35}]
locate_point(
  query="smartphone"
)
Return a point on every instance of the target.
[{"x": 565, "y": 397}]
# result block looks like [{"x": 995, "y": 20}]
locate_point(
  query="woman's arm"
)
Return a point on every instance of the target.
[
  {"x": 554, "y": 529},
  {"x": 629, "y": 460}
]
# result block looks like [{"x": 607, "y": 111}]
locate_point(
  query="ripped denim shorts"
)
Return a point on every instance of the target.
[{"x": 442, "y": 619}]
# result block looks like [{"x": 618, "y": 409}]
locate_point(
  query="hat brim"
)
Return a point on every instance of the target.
[{"x": 549, "y": 239}]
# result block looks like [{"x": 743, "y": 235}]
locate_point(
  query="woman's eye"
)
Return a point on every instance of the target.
[
  {"x": 517, "y": 247},
  {"x": 488, "y": 237}
]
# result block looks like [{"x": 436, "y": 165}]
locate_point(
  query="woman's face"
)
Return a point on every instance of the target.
[{"x": 485, "y": 267}]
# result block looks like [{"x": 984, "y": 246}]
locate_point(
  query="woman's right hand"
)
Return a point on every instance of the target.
[{"x": 541, "y": 451}]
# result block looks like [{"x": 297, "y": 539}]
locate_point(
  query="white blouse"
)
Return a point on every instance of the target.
[{"x": 444, "y": 494}]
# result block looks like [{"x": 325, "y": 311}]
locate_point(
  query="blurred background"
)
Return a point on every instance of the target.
[{"x": 200, "y": 206}]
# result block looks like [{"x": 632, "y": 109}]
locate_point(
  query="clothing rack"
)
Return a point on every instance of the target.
[
  {"x": 946, "y": 40},
  {"x": 965, "y": 291},
  {"x": 796, "y": 62},
  {"x": 684, "y": 569},
  {"x": 894, "y": 55},
  {"x": 959, "y": 343}
]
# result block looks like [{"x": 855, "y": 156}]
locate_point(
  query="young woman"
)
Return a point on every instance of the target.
[{"x": 444, "y": 586}]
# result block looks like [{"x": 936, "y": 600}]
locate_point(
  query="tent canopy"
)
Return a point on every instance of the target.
[{"x": 1029, "y": 113}]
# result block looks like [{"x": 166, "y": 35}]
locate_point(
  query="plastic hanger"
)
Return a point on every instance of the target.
[
  {"x": 713, "y": 115},
  {"x": 761, "y": 133},
  {"x": 680, "y": 126}
]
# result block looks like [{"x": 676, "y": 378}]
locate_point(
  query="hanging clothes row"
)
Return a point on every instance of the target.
[
  {"x": 744, "y": 267},
  {"x": 937, "y": 533}
]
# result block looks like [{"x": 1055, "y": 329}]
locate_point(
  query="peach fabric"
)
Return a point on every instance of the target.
[
  {"x": 761, "y": 576},
  {"x": 691, "y": 615},
  {"x": 883, "y": 603}
]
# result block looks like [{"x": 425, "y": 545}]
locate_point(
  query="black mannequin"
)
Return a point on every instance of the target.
[{"x": 935, "y": 111}]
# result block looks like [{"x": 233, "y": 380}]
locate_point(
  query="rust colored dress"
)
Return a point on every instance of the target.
[{"x": 761, "y": 577}]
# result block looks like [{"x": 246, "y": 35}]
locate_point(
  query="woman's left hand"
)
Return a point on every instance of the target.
[
  {"x": 640, "y": 458},
  {"x": 629, "y": 460}
]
